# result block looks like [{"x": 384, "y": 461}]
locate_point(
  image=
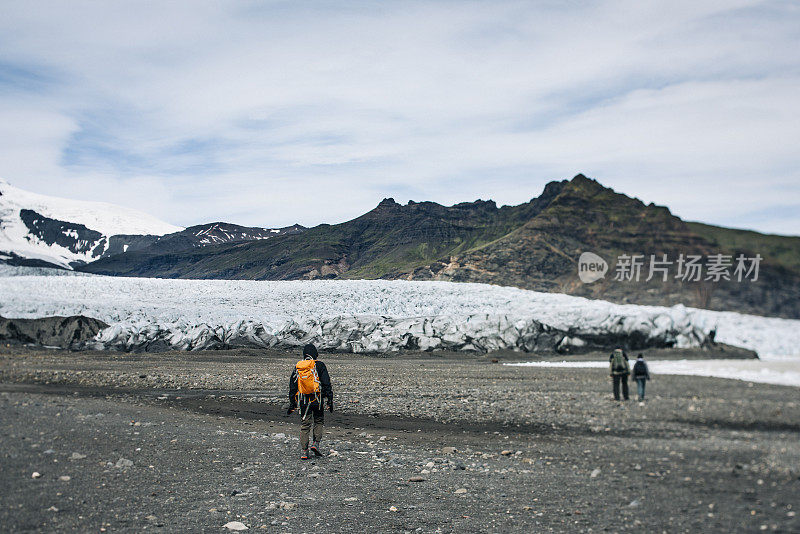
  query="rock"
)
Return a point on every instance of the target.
[
  {"x": 460, "y": 491},
  {"x": 393, "y": 508},
  {"x": 36, "y": 474},
  {"x": 333, "y": 453},
  {"x": 52, "y": 509},
  {"x": 77, "y": 456},
  {"x": 235, "y": 525},
  {"x": 49, "y": 451},
  {"x": 507, "y": 452},
  {"x": 287, "y": 505},
  {"x": 152, "y": 517},
  {"x": 448, "y": 450},
  {"x": 350, "y": 499},
  {"x": 634, "y": 503},
  {"x": 123, "y": 462},
  {"x": 595, "y": 473},
  {"x": 417, "y": 479},
  {"x": 64, "y": 478}
]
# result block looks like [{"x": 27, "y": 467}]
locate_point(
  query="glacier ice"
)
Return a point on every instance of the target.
[{"x": 372, "y": 316}]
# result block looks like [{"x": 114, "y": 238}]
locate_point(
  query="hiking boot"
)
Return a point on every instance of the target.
[
  {"x": 315, "y": 450},
  {"x": 304, "y": 456}
]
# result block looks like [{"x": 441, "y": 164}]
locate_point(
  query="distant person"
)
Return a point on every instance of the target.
[
  {"x": 641, "y": 374},
  {"x": 309, "y": 385},
  {"x": 618, "y": 363}
]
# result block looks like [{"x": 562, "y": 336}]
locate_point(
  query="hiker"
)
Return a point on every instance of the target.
[
  {"x": 309, "y": 385},
  {"x": 618, "y": 363},
  {"x": 641, "y": 374}
]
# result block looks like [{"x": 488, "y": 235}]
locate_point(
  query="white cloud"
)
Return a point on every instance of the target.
[{"x": 274, "y": 113}]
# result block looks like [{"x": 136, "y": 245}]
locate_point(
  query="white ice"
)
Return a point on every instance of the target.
[
  {"x": 369, "y": 315},
  {"x": 784, "y": 373}
]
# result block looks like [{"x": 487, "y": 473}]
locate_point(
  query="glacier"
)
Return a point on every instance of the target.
[{"x": 372, "y": 316}]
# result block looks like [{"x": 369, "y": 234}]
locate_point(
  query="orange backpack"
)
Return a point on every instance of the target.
[{"x": 307, "y": 379}]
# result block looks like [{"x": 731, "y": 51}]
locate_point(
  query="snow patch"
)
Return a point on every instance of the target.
[{"x": 783, "y": 373}]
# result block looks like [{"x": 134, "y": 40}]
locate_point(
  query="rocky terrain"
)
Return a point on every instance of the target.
[
  {"x": 126, "y": 443},
  {"x": 61, "y": 332}
]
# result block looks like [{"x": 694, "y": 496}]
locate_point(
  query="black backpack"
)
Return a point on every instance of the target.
[{"x": 639, "y": 369}]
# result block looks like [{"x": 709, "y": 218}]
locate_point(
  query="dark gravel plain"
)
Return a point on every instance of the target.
[{"x": 188, "y": 442}]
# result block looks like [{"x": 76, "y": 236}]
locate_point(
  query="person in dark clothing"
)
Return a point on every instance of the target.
[
  {"x": 641, "y": 374},
  {"x": 309, "y": 386},
  {"x": 618, "y": 363}
]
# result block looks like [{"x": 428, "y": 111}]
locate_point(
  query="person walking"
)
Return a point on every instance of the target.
[
  {"x": 641, "y": 374},
  {"x": 309, "y": 385},
  {"x": 618, "y": 363}
]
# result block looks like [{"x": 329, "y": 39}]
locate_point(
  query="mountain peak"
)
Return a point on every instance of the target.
[{"x": 388, "y": 203}]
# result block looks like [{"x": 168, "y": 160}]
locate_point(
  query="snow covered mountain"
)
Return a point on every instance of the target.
[{"x": 43, "y": 230}]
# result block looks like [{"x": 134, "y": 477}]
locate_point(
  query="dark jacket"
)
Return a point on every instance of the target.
[
  {"x": 619, "y": 372},
  {"x": 324, "y": 381},
  {"x": 640, "y": 371}
]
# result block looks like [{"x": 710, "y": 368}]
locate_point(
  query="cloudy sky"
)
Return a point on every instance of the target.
[{"x": 270, "y": 113}]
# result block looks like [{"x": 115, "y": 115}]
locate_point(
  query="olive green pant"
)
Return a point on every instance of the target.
[{"x": 314, "y": 417}]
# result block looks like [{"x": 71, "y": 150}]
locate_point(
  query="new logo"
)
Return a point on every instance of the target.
[{"x": 591, "y": 267}]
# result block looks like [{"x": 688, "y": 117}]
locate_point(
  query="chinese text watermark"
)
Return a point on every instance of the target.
[{"x": 686, "y": 268}]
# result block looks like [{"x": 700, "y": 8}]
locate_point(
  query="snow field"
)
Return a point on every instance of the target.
[{"x": 783, "y": 373}]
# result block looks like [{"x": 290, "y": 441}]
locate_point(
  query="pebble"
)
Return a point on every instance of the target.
[
  {"x": 36, "y": 474},
  {"x": 77, "y": 456},
  {"x": 235, "y": 525},
  {"x": 64, "y": 478},
  {"x": 460, "y": 491},
  {"x": 417, "y": 479},
  {"x": 507, "y": 452},
  {"x": 52, "y": 509},
  {"x": 123, "y": 462},
  {"x": 634, "y": 503},
  {"x": 287, "y": 505},
  {"x": 595, "y": 473},
  {"x": 448, "y": 450},
  {"x": 393, "y": 508}
]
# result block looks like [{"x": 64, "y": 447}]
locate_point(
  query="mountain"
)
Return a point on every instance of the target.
[
  {"x": 40, "y": 230},
  {"x": 43, "y": 231},
  {"x": 543, "y": 254},
  {"x": 389, "y": 239},
  {"x": 535, "y": 245}
]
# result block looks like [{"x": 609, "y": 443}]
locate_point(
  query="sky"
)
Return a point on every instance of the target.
[{"x": 271, "y": 113}]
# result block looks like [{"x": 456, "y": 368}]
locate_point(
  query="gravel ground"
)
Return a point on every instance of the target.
[{"x": 192, "y": 441}]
